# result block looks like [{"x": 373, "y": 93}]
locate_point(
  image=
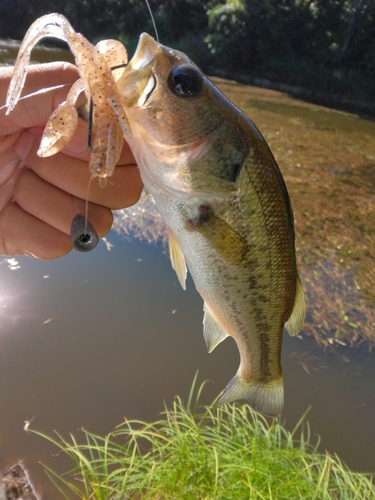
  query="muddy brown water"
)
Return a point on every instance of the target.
[{"x": 92, "y": 338}]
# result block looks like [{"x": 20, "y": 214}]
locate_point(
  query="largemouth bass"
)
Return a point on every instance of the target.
[{"x": 227, "y": 210}]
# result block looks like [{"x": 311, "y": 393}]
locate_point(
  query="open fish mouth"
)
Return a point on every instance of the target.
[
  {"x": 146, "y": 51},
  {"x": 138, "y": 80},
  {"x": 151, "y": 66}
]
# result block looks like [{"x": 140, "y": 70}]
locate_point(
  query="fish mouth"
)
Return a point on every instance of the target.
[
  {"x": 145, "y": 52},
  {"x": 148, "y": 70},
  {"x": 138, "y": 80}
]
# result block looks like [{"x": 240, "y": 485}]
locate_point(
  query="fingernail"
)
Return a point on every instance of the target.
[{"x": 25, "y": 142}]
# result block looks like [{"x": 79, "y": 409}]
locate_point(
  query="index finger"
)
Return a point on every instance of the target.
[{"x": 73, "y": 176}]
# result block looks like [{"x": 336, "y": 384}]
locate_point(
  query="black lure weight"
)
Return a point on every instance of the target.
[{"x": 82, "y": 234}]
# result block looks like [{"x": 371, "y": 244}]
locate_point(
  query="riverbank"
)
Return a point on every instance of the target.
[
  {"x": 191, "y": 452},
  {"x": 365, "y": 109}
]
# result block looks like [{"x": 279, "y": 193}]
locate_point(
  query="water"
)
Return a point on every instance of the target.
[
  {"x": 92, "y": 338},
  {"x": 88, "y": 340},
  {"x": 9, "y": 50}
]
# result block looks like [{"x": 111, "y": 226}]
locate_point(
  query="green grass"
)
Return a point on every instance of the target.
[{"x": 194, "y": 453}]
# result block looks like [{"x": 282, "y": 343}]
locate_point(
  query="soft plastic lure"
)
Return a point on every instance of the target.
[{"x": 98, "y": 82}]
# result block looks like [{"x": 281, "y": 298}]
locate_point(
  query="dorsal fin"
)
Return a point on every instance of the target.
[
  {"x": 297, "y": 318},
  {"x": 213, "y": 333},
  {"x": 177, "y": 258}
]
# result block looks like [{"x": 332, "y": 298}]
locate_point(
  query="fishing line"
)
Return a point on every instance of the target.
[
  {"x": 87, "y": 201},
  {"x": 153, "y": 21},
  {"x": 40, "y": 91},
  {"x": 82, "y": 233}
]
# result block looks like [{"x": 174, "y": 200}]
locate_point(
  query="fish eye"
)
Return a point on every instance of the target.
[{"x": 185, "y": 81}]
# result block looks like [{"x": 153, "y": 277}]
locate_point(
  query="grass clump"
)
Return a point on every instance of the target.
[{"x": 190, "y": 453}]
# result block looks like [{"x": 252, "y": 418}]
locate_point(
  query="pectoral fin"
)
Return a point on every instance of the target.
[
  {"x": 213, "y": 333},
  {"x": 297, "y": 318},
  {"x": 177, "y": 258},
  {"x": 227, "y": 241}
]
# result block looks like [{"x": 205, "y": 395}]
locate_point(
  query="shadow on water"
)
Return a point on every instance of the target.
[{"x": 92, "y": 338}]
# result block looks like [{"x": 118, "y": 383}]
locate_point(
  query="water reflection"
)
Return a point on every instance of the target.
[
  {"x": 14, "y": 301},
  {"x": 9, "y": 51}
]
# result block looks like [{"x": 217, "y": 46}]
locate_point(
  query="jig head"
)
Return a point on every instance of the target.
[{"x": 82, "y": 234}]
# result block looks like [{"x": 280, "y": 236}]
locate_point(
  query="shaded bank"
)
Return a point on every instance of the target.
[
  {"x": 40, "y": 54},
  {"x": 311, "y": 95},
  {"x": 364, "y": 107}
]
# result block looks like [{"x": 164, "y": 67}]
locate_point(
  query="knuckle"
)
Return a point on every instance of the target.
[{"x": 22, "y": 183}]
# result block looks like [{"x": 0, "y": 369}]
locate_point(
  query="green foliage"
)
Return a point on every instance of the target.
[
  {"x": 291, "y": 41},
  {"x": 228, "y": 38},
  {"x": 178, "y": 18},
  {"x": 231, "y": 452},
  {"x": 193, "y": 45},
  {"x": 320, "y": 44}
]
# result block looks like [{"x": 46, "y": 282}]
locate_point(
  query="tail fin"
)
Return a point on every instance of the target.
[{"x": 266, "y": 398}]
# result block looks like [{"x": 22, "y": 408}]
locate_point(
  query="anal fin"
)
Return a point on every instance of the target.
[
  {"x": 177, "y": 258},
  {"x": 297, "y": 318},
  {"x": 213, "y": 333}
]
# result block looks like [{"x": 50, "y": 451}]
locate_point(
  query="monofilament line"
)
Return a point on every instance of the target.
[{"x": 153, "y": 21}]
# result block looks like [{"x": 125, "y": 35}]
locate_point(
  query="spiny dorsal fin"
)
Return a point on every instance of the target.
[
  {"x": 297, "y": 318},
  {"x": 213, "y": 333},
  {"x": 177, "y": 258}
]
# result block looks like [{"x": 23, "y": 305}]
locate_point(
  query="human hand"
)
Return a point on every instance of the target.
[{"x": 40, "y": 196}]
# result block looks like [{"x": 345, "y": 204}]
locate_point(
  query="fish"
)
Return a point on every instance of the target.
[{"x": 227, "y": 210}]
